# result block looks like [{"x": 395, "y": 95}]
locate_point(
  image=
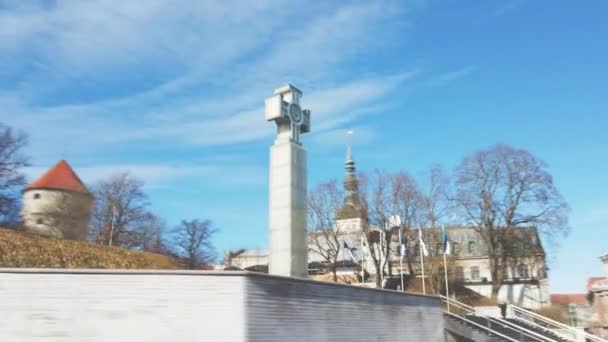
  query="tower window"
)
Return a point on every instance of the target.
[
  {"x": 36, "y": 196},
  {"x": 475, "y": 273},
  {"x": 455, "y": 248},
  {"x": 39, "y": 221},
  {"x": 522, "y": 271},
  {"x": 471, "y": 247}
]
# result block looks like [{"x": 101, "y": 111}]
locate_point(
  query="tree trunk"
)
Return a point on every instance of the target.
[
  {"x": 378, "y": 275},
  {"x": 334, "y": 272}
]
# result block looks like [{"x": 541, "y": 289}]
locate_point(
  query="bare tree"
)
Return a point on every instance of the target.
[
  {"x": 12, "y": 160},
  {"x": 407, "y": 201},
  {"x": 380, "y": 201},
  {"x": 122, "y": 204},
  {"x": 149, "y": 235},
  {"x": 434, "y": 204},
  {"x": 501, "y": 189},
  {"x": 324, "y": 201},
  {"x": 192, "y": 240}
]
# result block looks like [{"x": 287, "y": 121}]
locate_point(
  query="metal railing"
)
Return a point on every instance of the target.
[
  {"x": 558, "y": 327},
  {"x": 482, "y": 327},
  {"x": 452, "y": 304}
]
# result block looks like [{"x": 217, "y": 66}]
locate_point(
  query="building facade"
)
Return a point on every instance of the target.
[
  {"x": 57, "y": 205},
  {"x": 525, "y": 280},
  {"x": 598, "y": 298}
]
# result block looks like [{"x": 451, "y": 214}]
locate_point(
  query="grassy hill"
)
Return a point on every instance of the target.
[{"x": 19, "y": 249}]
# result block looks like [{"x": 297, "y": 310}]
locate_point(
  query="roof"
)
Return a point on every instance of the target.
[
  {"x": 570, "y": 298},
  {"x": 592, "y": 281},
  {"x": 60, "y": 177},
  {"x": 595, "y": 282}
]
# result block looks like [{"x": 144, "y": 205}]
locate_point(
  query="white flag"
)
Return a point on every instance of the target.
[
  {"x": 349, "y": 250},
  {"x": 425, "y": 252},
  {"x": 402, "y": 245},
  {"x": 364, "y": 247},
  {"x": 446, "y": 243}
]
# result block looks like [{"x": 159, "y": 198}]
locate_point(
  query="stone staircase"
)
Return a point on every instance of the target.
[
  {"x": 545, "y": 332},
  {"x": 485, "y": 329},
  {"x": 464, "y": 323}
]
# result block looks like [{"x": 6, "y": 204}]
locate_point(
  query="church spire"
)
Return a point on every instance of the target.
[
  {"x": 350, "y": 163},
  {"x": 352, "y": 205}
]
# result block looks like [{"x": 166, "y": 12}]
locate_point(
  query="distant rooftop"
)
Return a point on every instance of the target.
[
  {"x": 60, "y": 177},
  {"x": 570, "y": 298}
]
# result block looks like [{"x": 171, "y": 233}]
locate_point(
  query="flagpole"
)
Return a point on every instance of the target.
[
  {"x": 382, "y": 259},
  {"x": 445, "y": 268},
  {"x": 421, "y": 259},
  {"x": 447, "y": 291},
  {"x": 401, "y": 258},
  {"x": 362, "y": 261}
]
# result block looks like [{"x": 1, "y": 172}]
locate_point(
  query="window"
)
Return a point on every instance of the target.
[
  {"x": 39, "y": 221},
  {"x": 455, "y": 248},
  {"x": 459, "y": 273},
  {"x": 474, "y": 273},
  {"x": 36, "y": 196},
  {"x": 439, "y": 249},
  {"x": 471, "y": 247},
  {"x": 522, "y": 271}
]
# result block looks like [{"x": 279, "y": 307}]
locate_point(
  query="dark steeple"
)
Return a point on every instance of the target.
[{"x": 352, "y": 204}]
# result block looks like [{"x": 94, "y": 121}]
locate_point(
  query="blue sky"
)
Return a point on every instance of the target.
[{"x": 173, "y": 91}]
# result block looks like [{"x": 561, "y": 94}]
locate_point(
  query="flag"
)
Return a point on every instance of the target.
[
  {"x": 402, "y": 245},
  {"x": 446, "y": 243},
  {"x": 363, "y": 246},
  {"x": 425, "y": 252},
  {"x": 350, "y": 251}
]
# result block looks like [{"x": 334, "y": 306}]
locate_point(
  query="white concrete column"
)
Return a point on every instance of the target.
[{"x": 288, "y": 192}]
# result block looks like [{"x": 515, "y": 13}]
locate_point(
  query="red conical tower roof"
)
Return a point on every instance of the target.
[{"x": 60, "y": 177}]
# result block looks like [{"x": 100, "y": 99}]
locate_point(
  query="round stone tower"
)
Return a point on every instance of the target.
[{"x": 57, "y": 205}]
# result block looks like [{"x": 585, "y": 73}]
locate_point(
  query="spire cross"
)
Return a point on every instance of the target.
[{"x": 349, "y": 142}]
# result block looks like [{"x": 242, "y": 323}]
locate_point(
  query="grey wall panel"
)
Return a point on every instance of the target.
[
  {"x": 66, "y": 307},
  {"x": 297, "y": 310},
  {"x": 182, "y": 306}
]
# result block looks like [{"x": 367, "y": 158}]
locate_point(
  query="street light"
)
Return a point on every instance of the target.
[{"x": 572, "y": 314}]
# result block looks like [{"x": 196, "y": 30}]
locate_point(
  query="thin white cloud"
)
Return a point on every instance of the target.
[
  {"x": 451, "y": 76},
  {"x": 223, "y": 175},
  {"x": 101, "y": 76},
  {"x": 362, "y": 135}
]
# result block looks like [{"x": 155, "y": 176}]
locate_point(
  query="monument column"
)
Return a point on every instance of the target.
[{"x": 288, "y": 186}]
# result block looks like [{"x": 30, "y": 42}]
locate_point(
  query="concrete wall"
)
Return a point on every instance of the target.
[
  {"x": 120, "y": 306},
  {"x": 315, "y": 311},
  {"x": 88, "y": 305},
  {"x": 59, "y": 214}
]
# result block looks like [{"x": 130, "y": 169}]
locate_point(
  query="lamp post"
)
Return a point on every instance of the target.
[{"x": 572, "y": 314}]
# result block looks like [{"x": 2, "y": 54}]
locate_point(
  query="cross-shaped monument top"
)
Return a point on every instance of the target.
[{"x": 284, "y": 109}]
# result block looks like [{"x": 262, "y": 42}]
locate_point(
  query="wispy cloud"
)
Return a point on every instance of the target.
[
  {"x": 451, "y": 76},
  {"x": 109, "y": 75},
  {"x": 162, "y": 175}
]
